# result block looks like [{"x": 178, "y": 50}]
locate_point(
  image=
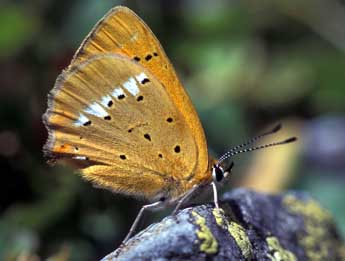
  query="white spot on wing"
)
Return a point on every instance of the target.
[
  {"x": 79, "y": 157},
  {"x": 117, "y": 92},
  {"x": 141, "y": 77},
  {"x": 96, "y": 109},
  {"x": 131, "y": 86},
  {"x": 105, "y": 100},
  {"x": 134, "y": 37},
  {"x": 81, "y": 120}
]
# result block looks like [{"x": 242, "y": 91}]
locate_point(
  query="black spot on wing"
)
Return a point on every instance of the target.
[
  {"x": 87, "y": 123},
  {"x": 148, "y": 57},
  {"x": 145, "y": 80},
  {"x": 147, "y": 136},
  {"x": 110, "y": 103}
]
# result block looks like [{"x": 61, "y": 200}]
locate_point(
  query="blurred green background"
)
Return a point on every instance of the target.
[{"x": 246, "y": 64}]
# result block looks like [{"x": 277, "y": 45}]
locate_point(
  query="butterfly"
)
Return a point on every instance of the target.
[{"x": 121, "y": 117}]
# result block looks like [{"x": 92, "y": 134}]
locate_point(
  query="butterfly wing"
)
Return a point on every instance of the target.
[
  {"x": 115, "y": 121},
  {"x": 122, "y": 32}
]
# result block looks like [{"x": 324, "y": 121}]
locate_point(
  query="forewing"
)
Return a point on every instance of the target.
[
  {"x": 122, "y": 32},
  {"x": 113, "y": 119}
]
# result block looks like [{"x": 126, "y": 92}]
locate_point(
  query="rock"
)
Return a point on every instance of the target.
[{"x": 248, "y": 226}]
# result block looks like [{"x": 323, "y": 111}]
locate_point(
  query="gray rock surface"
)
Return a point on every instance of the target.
[{"x": 248, "y": 226}]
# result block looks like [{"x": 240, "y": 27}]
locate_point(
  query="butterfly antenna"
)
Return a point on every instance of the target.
[
  {"x": 252, "y": 140},
  {"x": 233, "y": 153}
]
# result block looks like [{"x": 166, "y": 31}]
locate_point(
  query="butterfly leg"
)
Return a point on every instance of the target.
[
  {"x": 215, "y": 194},
  {"x": 137, "y": 219},
  {"x": 184, "y": 198}
]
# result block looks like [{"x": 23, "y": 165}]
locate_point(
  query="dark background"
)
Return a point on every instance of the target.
[{"x": 246, "y": 64}]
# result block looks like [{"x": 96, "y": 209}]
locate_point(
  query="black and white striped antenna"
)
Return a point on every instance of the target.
[{"x": 238, "y": 149}]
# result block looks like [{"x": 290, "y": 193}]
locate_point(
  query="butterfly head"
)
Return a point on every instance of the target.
[{"x": 219, "y": 172}]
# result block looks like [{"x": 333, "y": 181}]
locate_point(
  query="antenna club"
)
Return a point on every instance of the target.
[
  {"x": 292, "y": 139},
  {"x": 277, "y": 128}
]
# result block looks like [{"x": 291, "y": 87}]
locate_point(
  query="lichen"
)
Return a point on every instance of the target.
[
  {"x": 209, "y": 243},
  {"x": 241, "y": 238},
  {"x": 237, "y": 232},
  {"x": 218, "y": 214},
  {"x": 309, "y": 208},
  {"x": 278, "y": 253},
  {"x": 316, "y": 241}
]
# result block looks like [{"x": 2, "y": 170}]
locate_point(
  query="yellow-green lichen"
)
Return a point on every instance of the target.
[
  {"x": 218, "y": 214},
  {"x": 310, "y": 208},
  {"x": 316, "y": 241},
  {"x": 236, "y": 231},
  {"x": 278, "y": 252},
  {"x": 209, "y": 243},
  {"x": 241, "y": 238}
]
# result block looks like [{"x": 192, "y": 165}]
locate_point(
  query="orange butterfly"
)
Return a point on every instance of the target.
[{"x": 120, "y": 115}]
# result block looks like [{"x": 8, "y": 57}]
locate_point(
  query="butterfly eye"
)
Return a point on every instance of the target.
[{"x": 217, "y": 173}]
